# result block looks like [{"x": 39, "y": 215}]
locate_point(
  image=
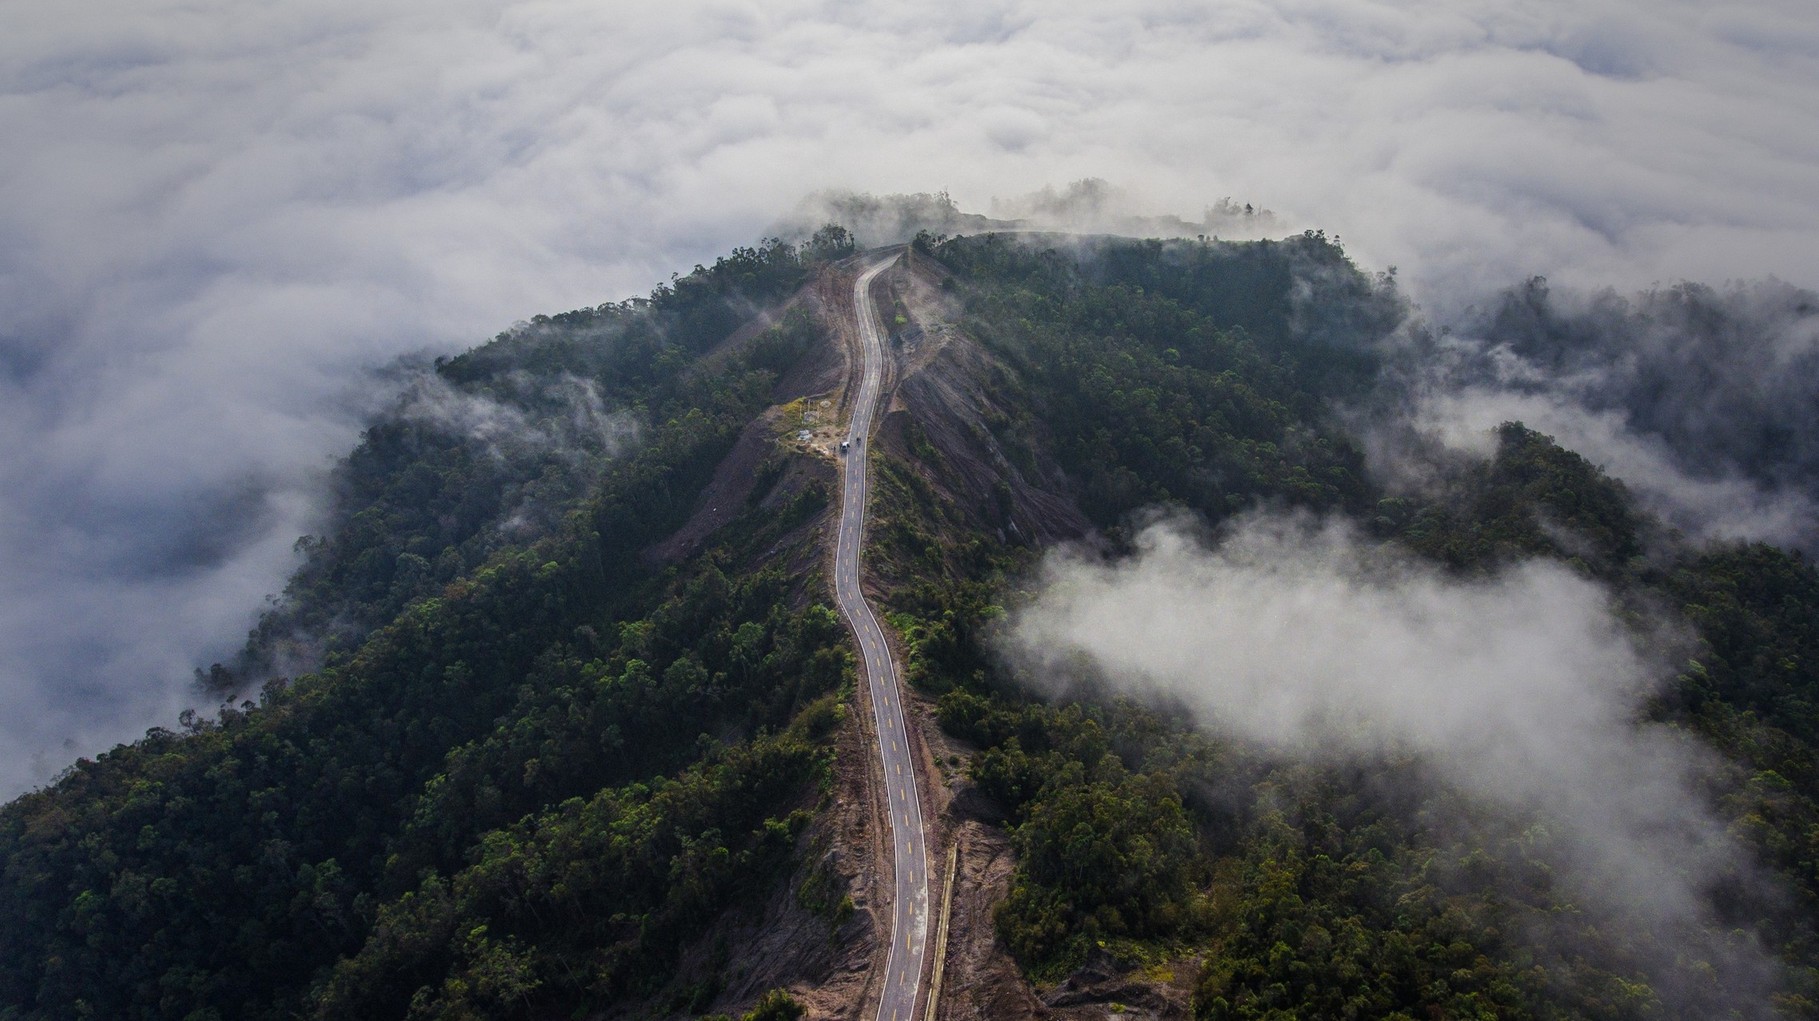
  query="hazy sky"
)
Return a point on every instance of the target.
[{"x": 214, "y": 216}]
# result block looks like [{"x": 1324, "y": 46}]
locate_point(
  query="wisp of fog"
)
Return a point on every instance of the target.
[
  {"x": 1524, "y": 690},
  {"x": 1702, "y": 400}
]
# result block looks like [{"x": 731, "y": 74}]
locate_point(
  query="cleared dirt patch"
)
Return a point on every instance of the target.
[{"x": 946, "y": 410}]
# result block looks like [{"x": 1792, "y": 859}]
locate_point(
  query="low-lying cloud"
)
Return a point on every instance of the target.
[
  {"x": 217, "y": 218},
  {"x": 1701, "y": 399},
  {"x": 575, "y": 422},
  {"x": 1720, "y": 505},
  {"x": 1524, "y": 690}
]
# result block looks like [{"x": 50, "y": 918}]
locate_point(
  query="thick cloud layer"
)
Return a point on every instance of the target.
[
  {"x": 214, "y": 217},
  {"x": 1523, "y": 690}
]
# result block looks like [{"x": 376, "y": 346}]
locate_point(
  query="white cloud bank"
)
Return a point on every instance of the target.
[
  {"x": 1725, "y": 507},
  {"x": 1702, "y": 400},
  {"x": 215, "y": 216},
  {"x": 1524, "y": 690}
]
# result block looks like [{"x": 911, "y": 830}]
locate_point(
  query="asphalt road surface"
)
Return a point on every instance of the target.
[{"x": 909, "y": 922}]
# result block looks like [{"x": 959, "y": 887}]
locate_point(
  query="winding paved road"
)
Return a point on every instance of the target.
[{"x": 909, "y": 923}]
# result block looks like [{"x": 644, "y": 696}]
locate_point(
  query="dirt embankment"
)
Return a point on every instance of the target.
[
  {"x": 804, "y": 420},
  {"x": 949, "y": 419}
]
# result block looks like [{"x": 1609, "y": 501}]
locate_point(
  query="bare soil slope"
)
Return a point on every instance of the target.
[{"x": 946, "y": 410}]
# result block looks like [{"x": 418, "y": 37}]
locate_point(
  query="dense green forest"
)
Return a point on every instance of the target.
[
  {"x": 1193, "y": 375},
  {"x": 524, "y": 765},
  {"x": 529, "y": 763}
]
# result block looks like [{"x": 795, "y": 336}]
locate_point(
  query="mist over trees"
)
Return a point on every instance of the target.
[
  {"x": 1700, "y": 397},
  {"x": 495, "y": 680},
  {"x": 1359, "y": 868},
  {"x": 1279, "y": 723}
]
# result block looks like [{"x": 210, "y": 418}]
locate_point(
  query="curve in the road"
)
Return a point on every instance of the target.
[{"x": 909, "y": 908}]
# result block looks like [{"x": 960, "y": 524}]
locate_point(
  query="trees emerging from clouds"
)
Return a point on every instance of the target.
[
  {"x": 1207, "y": 377},
  {"x": 533, "y": 765}
]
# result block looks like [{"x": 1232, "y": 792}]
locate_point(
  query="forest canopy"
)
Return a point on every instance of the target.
[{"x": 500, "y": 752}]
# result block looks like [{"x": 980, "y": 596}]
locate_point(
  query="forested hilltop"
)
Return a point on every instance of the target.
[
  {"x": 1219, "y": 379},
  {"x": 531, "y": 762},
  {"x": 561, "y": 723}
]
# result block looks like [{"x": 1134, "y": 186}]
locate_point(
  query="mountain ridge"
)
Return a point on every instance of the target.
[{"x": 580, "y": 735}]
